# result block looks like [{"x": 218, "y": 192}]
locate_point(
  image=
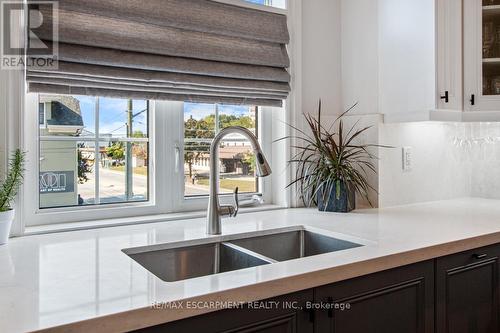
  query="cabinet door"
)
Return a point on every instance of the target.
[
  {"x": 449, "y": 54},
  {"x": 283, "y": 314},
  {"x": 482, "y": 55},
  {"x": 467, "y": 293},
  {"x": 406, "y": 56},
  {"x": 393, "y": 301}
]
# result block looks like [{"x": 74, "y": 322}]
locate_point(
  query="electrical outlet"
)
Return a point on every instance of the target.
[{"x": 407, "y": 159}]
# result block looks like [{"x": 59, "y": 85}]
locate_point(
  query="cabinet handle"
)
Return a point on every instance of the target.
[
  {"x": 472, "y": 99},
  {"x": 330, "y": 310},
  {"x": 479, "y": 256},
  {"x": 446, "y": 96}
]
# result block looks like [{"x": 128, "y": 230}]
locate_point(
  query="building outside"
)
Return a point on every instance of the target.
[{"x": 59, "y": 116}]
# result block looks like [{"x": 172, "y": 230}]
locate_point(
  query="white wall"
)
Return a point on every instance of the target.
[
  {"x": 360, "y": 73},
  {"x": 359, "y": 50},
  {"x": 320, "y": 66},
  {"x": 3, "y": 121},
  {"x": 440, "y": 169},
  {"x": 12, "y": 89}
]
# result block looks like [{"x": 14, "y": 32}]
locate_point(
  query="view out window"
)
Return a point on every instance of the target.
[
  {"x": 93, "y": 150},
  {"x": 201, "y": 123},
  {"x": 41, "y": 113},
  {"x": 272, "y": 3}
]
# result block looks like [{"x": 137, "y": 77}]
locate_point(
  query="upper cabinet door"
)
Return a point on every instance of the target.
[
  {"x": 407, "y": 56},
  {"x": 449, "y": 54},
  {"x": 482, "y": 55}
]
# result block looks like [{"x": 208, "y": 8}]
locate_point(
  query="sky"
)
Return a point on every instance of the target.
[
  {"x": 113, "y": 115},
  {"x": 273, "y": 3},
  {"x": 260, "y": 2}
]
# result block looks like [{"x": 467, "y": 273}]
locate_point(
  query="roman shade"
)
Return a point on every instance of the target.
[{"x": 183, "y": 50}]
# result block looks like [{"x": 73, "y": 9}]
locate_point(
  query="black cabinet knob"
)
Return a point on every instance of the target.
[{"x": 446, "y": 96}]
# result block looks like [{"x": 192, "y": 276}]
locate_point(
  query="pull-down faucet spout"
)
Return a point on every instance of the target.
[{"x": 262, "y": 169}]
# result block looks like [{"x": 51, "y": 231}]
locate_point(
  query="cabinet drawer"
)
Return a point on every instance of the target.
[{"x": 470, "y": 257}]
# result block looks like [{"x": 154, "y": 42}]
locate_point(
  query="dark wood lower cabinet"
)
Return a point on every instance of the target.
[
  {"x": 467, "y": 292},
  {"x": 454, "y": 294},
  {"x": 287, "y": 314},
  {"x": 395, "y": 301}
]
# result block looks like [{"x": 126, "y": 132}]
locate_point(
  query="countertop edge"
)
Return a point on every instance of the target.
[{"x": 147, "y": 317}]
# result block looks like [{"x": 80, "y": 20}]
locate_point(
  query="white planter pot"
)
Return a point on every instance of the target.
[{"x": 6, "y": 219}]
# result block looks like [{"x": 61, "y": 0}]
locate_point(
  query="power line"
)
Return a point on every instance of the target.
[{"x": 133, "y": 116}]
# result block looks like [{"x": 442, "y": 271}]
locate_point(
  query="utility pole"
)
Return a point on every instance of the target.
[{"x": 129, "y": 170}]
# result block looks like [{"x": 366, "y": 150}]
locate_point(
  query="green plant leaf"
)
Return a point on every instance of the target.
[
  {"x": 328, "y": 159},
  {"x": 13, "y": 181}
]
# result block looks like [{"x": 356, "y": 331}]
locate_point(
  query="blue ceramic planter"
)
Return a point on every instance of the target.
[{"x": 342, "y": 200}]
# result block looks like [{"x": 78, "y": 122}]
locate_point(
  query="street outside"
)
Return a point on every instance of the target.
[{"x": 112, "y": 186}]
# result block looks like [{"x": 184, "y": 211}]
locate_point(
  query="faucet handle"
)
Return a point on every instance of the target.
[
  {"x": 231, "y": 210},
  {"x": 236, "y": 202}
]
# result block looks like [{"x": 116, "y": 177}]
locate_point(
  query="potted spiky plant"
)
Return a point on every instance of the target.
[
  {"x": 331, "y": 168},
  {"x": 8, "y": 191}
]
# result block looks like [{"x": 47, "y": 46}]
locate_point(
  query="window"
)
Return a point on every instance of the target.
[
  {"x": 41, "y": 114},
  {"x": 201, "y": 123},
  {"x": 92, "y": 151},
  {"x": 272, "y": 3},
  {"x": 100, "y": 158}
]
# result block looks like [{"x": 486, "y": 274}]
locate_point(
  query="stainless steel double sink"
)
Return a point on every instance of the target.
[{"x": 180, "y": 261}]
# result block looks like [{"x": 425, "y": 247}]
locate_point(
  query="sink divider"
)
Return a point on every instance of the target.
[
  {"x": 249, "y": 252},
  {"x": 302, "y": 244}
]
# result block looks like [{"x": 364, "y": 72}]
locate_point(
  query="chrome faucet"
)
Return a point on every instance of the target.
[{"x": 262, "y": 168}]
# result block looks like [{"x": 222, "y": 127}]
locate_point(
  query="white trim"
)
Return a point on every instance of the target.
[
  {"x": 73, "y": 226},
  {"x": 97, "y": 154},
  {"x": 12, "y": 90},
  {"x": 294, "y": 101},
  {"x": 443, "y": 116}
]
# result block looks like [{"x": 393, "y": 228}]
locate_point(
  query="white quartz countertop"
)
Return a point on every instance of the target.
[{"x": 81, "y": 281}]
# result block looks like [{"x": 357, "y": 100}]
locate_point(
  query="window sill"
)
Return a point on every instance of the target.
[{"x": 74, "y": 226}]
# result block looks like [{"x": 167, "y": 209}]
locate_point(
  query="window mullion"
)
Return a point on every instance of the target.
[
  {"x": 217, "y": 123},
  {"x": 96, "y": 153}
]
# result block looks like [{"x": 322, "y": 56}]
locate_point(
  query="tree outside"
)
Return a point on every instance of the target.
[{"x": 236, "y": 158}]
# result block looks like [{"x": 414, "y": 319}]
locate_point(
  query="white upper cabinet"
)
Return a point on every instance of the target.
[
  {"x": 435, "y": 59},
  {"x": 407, "y": 57},
  {"x": 449, "y": 55},
  {"x": 481, "y": 55}
]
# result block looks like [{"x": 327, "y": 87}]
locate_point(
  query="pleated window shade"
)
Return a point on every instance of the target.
[{"x": 181, "y": 50}]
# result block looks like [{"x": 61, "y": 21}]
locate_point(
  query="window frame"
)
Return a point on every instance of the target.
[{"x": 166, "y": 151}]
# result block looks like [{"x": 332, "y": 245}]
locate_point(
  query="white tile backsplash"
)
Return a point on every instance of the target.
[{"x": 450, "y": 160}]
